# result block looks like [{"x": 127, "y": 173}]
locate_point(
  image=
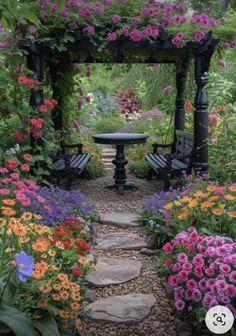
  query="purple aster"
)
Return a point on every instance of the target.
[{"x": 24, "y": 266}]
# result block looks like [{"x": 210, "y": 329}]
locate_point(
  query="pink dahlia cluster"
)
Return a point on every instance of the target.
[{"x": 201, "y": 270}]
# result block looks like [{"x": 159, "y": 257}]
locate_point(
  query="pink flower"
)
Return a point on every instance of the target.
[
  {"x": 40, "y": 199},
  {"x": 224, "y": 268},
  {"x": 219, "y": 190},
  {"x": 11, "y": 164},
  {"x": 209, "y": 272},
  {"x": 6, "y": 180},
  {"x": 27, "y": 157},
  {"x": 167, "y": 248},
  {"x": 125, "y": 31},
  {"x": 173, "y": 280},
  {"x": 176, "y": 266},
  {"x": 179, "y": 305},
  {"x": 196, "y": 295},
  {"x": 198, "y": 261},
  {"x": 80, "y": 104},
  {"x": 187, "y": 266},
  {"x": 198, "y": 35},
  {"x": 25, "y": 201},
  {"x": 198, "y": 272},
  {"x": 4, "y": 191},
  {"x": 189, "y": 294},
  {"x": 182, "y": 257},
  {"x": 89, "y": 31},
  {"x": 15, "y": 175},
  {"x": 231, "y": 290},
  {"x": 136, "y": 35},
  {"x": 3, "y": 170},
  {"x": 116, "y": 18},
  {"x": 202, "y": 284},
  {"x": 43, "y": 109},
  {"x": 183, "y": 275},
  {"x": 222, "y": 63},
  {"x": 220, "y": 284},
  {"x": 168, "y": 263},
  {"x": 232, "y": 276},
  {"x": 191, "y": 283}
]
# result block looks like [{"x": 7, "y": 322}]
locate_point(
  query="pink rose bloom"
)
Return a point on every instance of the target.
[
  {"x": 3, "y": 170},
  {"x": 220, "y": 284},
  {"x": 187, "y": 266},
  {"x": 209, "y": 272},
  {"x": 136, "y": 35},
  {"x": 178, "y": 295},
  {"x": 225, "y": 268},
  {"x": 167, "y": 248},
  {"x": 189, "y": 294},
  {"x": 15, "y": 175},
  {"x": 202, "y": 284},
  {"x": 213, "y": 119},
  {"x": 173, "y": 280},
  {"x": 25, "y": 168},
  {"x": 4, "y": 191},
  {"x": 179, "y": 305},
  {"x": 183, "y": 275},
  {"x": 196, "y": 295},
  {"x": 176, "y": 266},
  {"x": 231, "y": 290},
  {"x": 198, "y": 261},
  {"x": 198, "y": 272},
  {"x": 232, "y": 277}
]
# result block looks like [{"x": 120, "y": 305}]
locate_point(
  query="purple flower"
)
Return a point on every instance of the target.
[
  {"x": 136, "y": 35},
  {"x": 179, "y": 19},
  {"x": 99, "y": 8},
  {"x": 134, "y": 22},
  {"x": 80, "y": 104},
  {"x": 198, "y": 35},
  {"x": 53, "y": 8},
  {"x": 112, "y": 36},
  {"x": 167, "y": 90},
  {"x": 24, "y": 266},
  {"x": 107, "y": 2},
  {"x": 125, "y": 31},
  {"x": 65, "y": 13},
  {"x": 32, "y": 29},
  {"x": 89, "y": 30},
  {"x": 222, "y": 63},
  {"x": 116, "y": 18}
]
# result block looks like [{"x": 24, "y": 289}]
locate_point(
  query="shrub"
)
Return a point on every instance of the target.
[
  {"x": 109, "y": 123},
  {"x": 201, "y": 270},
  {"x": 139, "y": 168}
]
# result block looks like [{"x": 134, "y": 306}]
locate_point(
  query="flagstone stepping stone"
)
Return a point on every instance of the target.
[
  {"x": 113, "y": 271},
  {"x": 120, "y": 219},
  {"x": 121, "y": 240},
  {"x": 131, "y": 308}
]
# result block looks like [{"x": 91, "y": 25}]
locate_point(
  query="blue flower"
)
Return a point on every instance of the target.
[{"x": 24, "y": 266}]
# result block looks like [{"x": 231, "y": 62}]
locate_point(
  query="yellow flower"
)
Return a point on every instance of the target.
[
  {"x": 187, "y": 125},
  {"x": 2, "y": 221},
  {"x": 168, "y": 206},
  {"x": 229, "y": 197},
  {"x": 183, "y": 215},
  {"x": 232, "y": 188},
  {"x": 26, "y": 216},
  {"x": 211, "y": 188},
  {"x": 83, "y": 260},
  {"x": 193, "y": 203},
  {"x": 177, "y": 203},
  {"x": 214, "y": 198},
  {"x": 222, "y": 206}
]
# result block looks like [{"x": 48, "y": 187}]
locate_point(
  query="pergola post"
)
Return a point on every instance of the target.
[
  {"x": 202, "y": 62},
  {"x": 35, "y": 64},
  {"x": 181, "y": 74}
]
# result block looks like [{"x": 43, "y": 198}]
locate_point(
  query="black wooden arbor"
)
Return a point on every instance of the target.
[{"x": 125, "y": 51}]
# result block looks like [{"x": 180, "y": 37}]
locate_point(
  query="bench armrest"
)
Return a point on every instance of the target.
[
  {"x": 156, "y": 145},
  {"x": 65, "y": 145}
]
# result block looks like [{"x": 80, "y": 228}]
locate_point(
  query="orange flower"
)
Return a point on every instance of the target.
[
  {"x": 41, "y": 244},
  {"x": 57, "y": 286},
  {"x": 42, "y": 304},
  {"x": 83, "y": 260},
  {"x": 2, "y": 221},
  {"x": 183, "y": 215},
  {"x": 26, "y": 216},
  {"x": 62, "y": 277},
  {"x": 40, "y": 269},
  {"x": 20, "y": 229},
  {"x": 73, "y": 314},
  {"x": 213, "y": 198},
  {"x": 65, "y": 284},
  {"x": 56, "y": 297},
  {"x": 217, "y": 211},
  {"x": 168, "y": 206},
  {"x": 8, "y": 211},
  {"x": 45, "y": 289},
  {"x": 211, "y": 188},
  {"x": 64, "y": 295},
  {"x": 78, "y": 325},
  {"x": 74, "y": 305},
  {"x": 232, "y": 214},
  {"x": 60, "y": 245},
  {"x": 63, "y": 314},
  {"x": 207, "y": 204},
  {"x": 24, "y": 240},
  {"x": 232, "y": 188},
  {"x": 51, "y": 253},
  {"x": 10, "y": 202}
]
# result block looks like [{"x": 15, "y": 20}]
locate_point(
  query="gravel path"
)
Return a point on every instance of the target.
[{"x": 160, "y": 321}]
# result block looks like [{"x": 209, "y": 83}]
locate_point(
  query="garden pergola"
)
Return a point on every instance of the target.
[{"x": 83, "y": 50}]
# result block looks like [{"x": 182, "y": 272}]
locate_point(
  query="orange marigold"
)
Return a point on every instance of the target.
[
  {"x": 62, "y": 277},
  {"x": 26, "y": 216},
  {"x": 9, "y": 202},
  {"x": 57, "y": 286},
  {"x": 42, "y": 303},
  {"x": 74, "y": 305},
  {"x": 41, "y": 244},
  {"x": 63, "y": 314},
  {"x": 8, "y": 211},
  {"x": 217, "y": 211},
  {"x": 232, "y": 214},
  {"x": 56, "y": 297},
  {"x": 20, "y": 229}
]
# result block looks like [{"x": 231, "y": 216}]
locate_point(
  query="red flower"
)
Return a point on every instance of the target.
[
  {"x": 22, "y": 80},
  {"x": 83, "y": 244},
  {"x": 37, "y": 122},
  {"x": 19, "y": 136},
  {"x": 43, "y": 109},
  {"x": 49, "y": 103},
  {"x": 76, "y": 272},
  {"x": 11, "y": 164},
  {"x": 66, "y": 243},
  {"x": 30, "y": 83},
  {"x": 60, "y": 230}
]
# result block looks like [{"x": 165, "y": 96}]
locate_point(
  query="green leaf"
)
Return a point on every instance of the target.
[
  {"x": 17, "y": 321},
  {"x": 60, "y": 5},
  {"x": 47, "y": 326},
  {"x": 28, "y": 15}
]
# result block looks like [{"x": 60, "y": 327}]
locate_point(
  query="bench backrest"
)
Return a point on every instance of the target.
[{"x": 184, "y": 143}]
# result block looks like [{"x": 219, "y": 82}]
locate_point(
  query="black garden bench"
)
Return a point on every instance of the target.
[
  {"x": 69, "y": 166},
  {"x": 169, "y": 165}
]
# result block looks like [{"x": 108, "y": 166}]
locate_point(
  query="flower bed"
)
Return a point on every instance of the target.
[
  {"x": 208, "y": 207},
  {"x": 201, "y": 270}
]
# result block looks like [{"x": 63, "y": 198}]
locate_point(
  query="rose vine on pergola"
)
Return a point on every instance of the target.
[{"x": 154, "y": 33}]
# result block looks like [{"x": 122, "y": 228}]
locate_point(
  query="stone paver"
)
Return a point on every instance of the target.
[
  {"x": 131, "y": 308},
  {"x": 120, "y": 219},
  {"x": 112, "y": 271},
  {"x": 121, "y": 240}
]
